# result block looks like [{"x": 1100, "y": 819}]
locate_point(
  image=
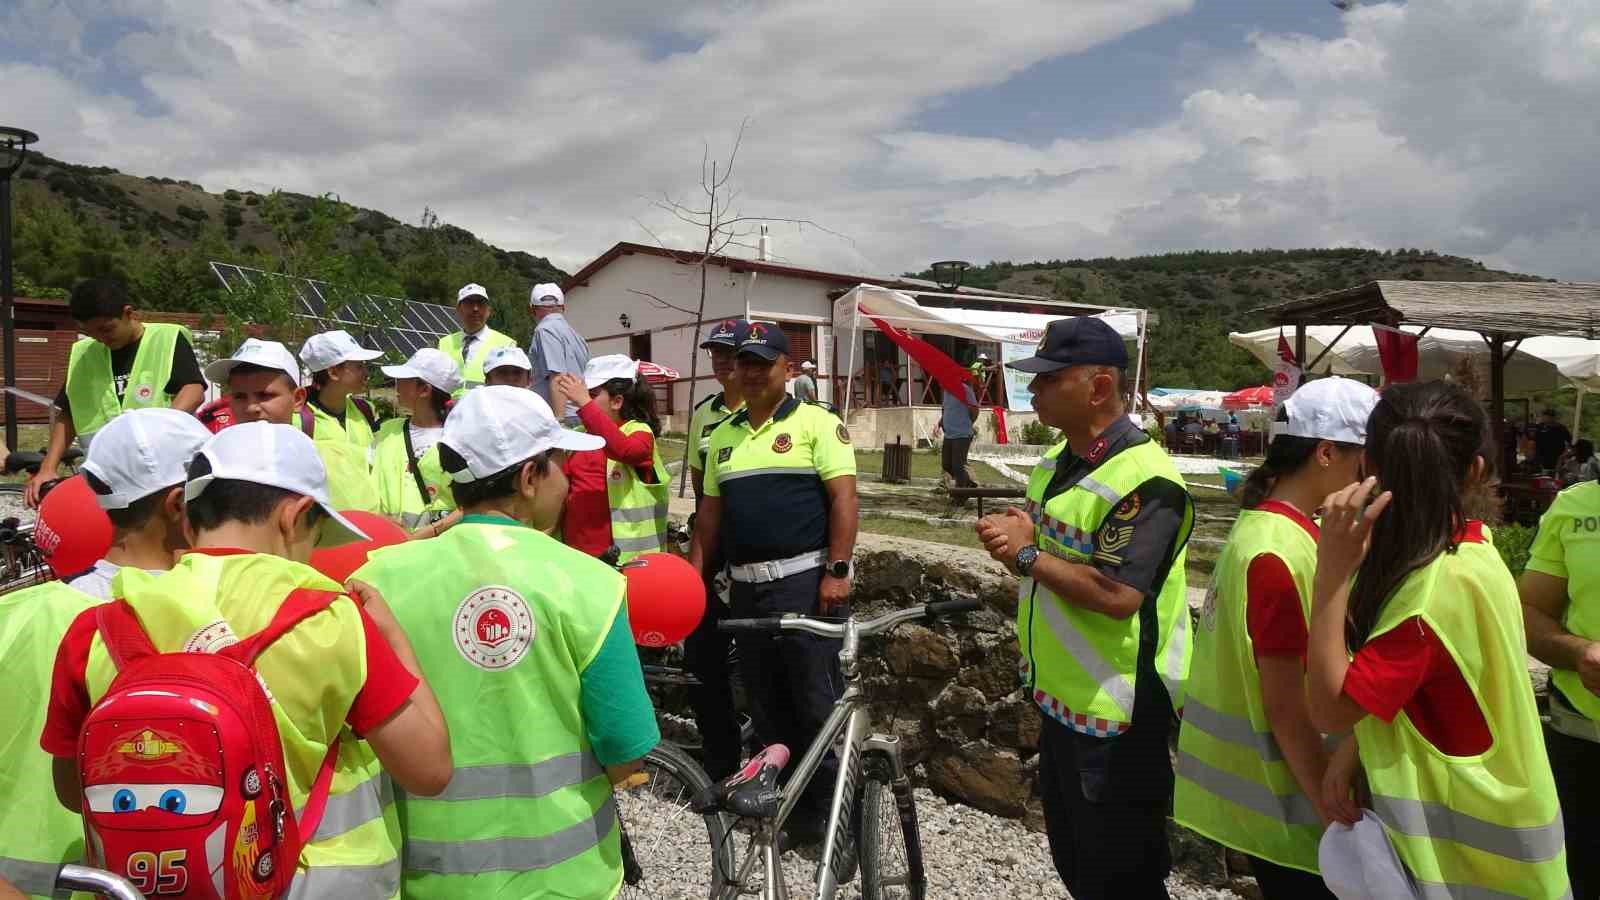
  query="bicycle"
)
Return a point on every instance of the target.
[
  {"x": 889, "y": 844},
  {"x": 96, "y": 881}
]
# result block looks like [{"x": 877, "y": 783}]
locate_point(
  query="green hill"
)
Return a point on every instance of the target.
[
  {"x": 1202, "y": 295},
  {"x": 77, "y": 221}
]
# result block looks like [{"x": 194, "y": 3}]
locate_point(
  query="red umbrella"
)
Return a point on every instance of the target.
[
  {"x": 1244, "y": 398},
  {"x": 653, "y": 372}
]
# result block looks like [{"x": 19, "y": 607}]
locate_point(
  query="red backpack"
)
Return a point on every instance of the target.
[{"x": 185, "y": 792}]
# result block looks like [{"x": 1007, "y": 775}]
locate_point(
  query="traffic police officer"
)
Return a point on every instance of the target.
[
  {"x": 1561, "y": 611},
  {"x": 706, "y": 649},
  {"x": 780, "y": 505},
  {"x": 1102, "y": 617}
]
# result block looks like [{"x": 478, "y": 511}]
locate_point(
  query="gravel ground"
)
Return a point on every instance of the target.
[
  {"x": 11, "y": 505},
  {"x": 968, "y": 854}
]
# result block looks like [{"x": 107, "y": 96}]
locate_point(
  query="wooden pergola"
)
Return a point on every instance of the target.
[{"x": 1503, "y": 312}]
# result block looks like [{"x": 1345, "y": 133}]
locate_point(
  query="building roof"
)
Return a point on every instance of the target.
[
  {"x": 1510, "y": 308},
  {"x": 736, "y": 264}
]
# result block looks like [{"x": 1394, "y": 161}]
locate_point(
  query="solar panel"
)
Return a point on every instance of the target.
[{"x": 396, "y": 326}]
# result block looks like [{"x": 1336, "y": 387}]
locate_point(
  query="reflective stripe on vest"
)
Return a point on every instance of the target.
[
  {"x": 512, "y": 854},
  {"x": 724, "y": 476},
  {"x": 480, "y": 782},
  {"x": 1233, "y": 785},
  {"x": 1484, "y": 823},
  {"x": 638, "y": 508},
  {"x": 91, "y": 389},
  {"x": 1082, "y": 665},
  {"x": 31, "y": 877},
  {"x": 345, "y": 882},
  {"x": 356, "y": 807}
]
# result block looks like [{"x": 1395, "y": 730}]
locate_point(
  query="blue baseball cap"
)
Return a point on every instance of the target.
[
  {"x": 1078, "y": 341},
  {"x": 763, "y": 339},
  {"x": 724, "y": 334}
]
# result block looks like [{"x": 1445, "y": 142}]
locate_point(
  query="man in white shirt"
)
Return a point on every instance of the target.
[
  {"x": 136, "y": 470},
  {"x": 472, "y": 343}
]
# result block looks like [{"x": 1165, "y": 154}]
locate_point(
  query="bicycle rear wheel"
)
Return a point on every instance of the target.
[
  {"x": 890, "y": 842},
  {"x": 672, "y": 853}
]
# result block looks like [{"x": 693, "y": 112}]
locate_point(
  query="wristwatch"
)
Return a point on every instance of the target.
[
  {"x": 1026, "y": 557},
  {"x": 839, "y": 568}
]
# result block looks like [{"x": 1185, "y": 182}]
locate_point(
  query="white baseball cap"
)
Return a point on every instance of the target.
[
  {"x": 330, "y": 348},
  {"x": 472, "y": 290},
  {"x": 506, "y": 356},
  {"x": 279, "y": 456},
  {"x": 1330, "y": 409},
  {"x": 497, "y": 426},
  {"x": 143, "y": 451},
  {"x": 256, "y": 352},
  {"x": 808, "y": 364},
  {"x": 547, "y": 294},
  {"x": 602, "y": 369},
  {"x": 431, "y": 365}
]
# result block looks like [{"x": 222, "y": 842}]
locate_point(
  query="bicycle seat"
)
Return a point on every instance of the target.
[
  {"x": 752, "y": 792},
  {"x": 22, "y": 461}
]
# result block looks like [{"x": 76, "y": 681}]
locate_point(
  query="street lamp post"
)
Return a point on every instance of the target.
[{"x": 13, "y": 148}]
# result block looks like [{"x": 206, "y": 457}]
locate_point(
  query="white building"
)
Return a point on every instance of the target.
[{"x": 641, "y": 300}]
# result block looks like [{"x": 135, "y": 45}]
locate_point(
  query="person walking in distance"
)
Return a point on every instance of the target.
[
  {"x": 1560, "y": 591},
  {"x": 527, "y": 643},
  {"x": 123, "y": 364},
  {"x": 1417, "y": 643},
  {"x": 468, "y": 347},
  {"x": 780, "y": 507},
  {"x": 555, "y": 348},
  {"x": 805, "y": 384},
  {"x": 957, "y": 421},
  {"x": 1103, "y": 620},
  {"x": 1250, "y": 763}
]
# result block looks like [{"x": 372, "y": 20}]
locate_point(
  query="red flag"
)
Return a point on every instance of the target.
[
  {"x": 1000, "y": 426},
  {"x": 1286, "y": 376},
  {"x": 950, "y": 374},
  {"x": 1397, "y": 350},
  {"x": 1285, "y": 352}
]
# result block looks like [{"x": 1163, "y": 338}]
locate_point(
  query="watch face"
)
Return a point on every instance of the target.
[{"x": 839, "y": 569}]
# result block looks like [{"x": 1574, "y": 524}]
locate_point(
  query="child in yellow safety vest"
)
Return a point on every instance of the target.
[
  {"x": 257, "y": 502},
  {"x": 412, "y": 487},
  {"x": 1250, "y": 763},
  {"x": 1417, "y": 643},
  {"x": 619, "y": 494},
  {"x": 338, "y": 367},
  {"x": 263, "y": 383}
]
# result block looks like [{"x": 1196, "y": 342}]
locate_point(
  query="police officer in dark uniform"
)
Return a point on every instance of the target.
[{"x": 780, "y": 503}]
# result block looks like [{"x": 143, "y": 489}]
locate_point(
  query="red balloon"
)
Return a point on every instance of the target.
[
  {"x": 72, "y": 530},
  {"x": 666, "y": 598},
  {"x": 340, "y": 562}
]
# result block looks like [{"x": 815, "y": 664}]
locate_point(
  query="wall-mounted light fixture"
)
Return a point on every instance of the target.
[{"x": 624, "y": 321}]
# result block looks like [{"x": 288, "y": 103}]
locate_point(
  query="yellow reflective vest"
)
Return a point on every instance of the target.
[
  {"x": 91, "y": 391},
  {"x": 472, "y": 367},
  {"x": 504, "y": 619},
  {"x": 1082, "y": 666},
  {"x": 37, "y": 834},
  {"x": 313, "y": 673},
  {"x": 638, "y": 508},
  {"x": 1233, "y": 784},
  {"x": 356, "y": 429},
  {"x": 398, "y": 495},
  {"x": 1478, "y": 826},
  {"x": 1568, "y": 547}
]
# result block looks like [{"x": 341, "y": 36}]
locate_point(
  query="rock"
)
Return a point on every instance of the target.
[
  {"x": 960, "y": 700},
  {"x": 1014, "y": 723},
  {"x": 1198, "y": 858},
  {"x": 982, "y": 775},
  {"x": 918, "y": 651}
]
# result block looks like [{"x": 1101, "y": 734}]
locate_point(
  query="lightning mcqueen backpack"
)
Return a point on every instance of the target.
[{"x": 184, "y": 785}]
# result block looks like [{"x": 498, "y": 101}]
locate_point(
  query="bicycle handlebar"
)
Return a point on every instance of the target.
[
  {"x": 97, "y": 881},
  {"x": 795, "y": 622}
]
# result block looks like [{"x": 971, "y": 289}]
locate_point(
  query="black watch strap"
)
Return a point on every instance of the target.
[{"x": 1026, "y": 557}]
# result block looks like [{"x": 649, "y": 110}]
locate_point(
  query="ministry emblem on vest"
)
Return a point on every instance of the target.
[
  {"x": 144, "y": 393},
  {"x": 494, "y": 628},
  {"x": 783, "y": 443}
]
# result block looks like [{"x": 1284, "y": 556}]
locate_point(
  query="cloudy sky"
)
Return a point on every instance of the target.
[{"x": 1003, "y": 129}]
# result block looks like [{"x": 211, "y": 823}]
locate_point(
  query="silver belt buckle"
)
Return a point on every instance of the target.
[{"x": 772, "y": 570}]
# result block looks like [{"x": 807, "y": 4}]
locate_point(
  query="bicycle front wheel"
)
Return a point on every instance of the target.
[
  {"x": 672, "y": 852},
  {"x": 890, "y": 842}
]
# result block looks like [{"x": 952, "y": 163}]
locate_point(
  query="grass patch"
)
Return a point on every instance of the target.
[
  {"x": 962, "y": 535},
  {"x": 925, "y": 464}
]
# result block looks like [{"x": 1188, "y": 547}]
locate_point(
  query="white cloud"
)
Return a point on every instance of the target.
[{"x": 1464, "y": 125}]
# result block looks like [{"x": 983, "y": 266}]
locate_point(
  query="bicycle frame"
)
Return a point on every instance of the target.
[{"x": 849, "y": 720}]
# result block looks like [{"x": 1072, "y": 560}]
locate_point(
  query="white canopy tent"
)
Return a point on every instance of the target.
[
  {"x": 901, "y": 310},
  {"x": 1537, "y": 364}
]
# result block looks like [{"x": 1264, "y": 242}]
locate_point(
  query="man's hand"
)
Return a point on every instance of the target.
[
  {"x": 832, "y": 594},
  {"x": 1589, "y": 667},
  {"x": 1003, "y": 534},
  {"x": 36, "y": 483}
]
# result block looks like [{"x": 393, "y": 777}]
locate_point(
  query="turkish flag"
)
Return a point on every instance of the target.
[
  {"x": 950, "y": 374},
  {"x": 1286, "y": 375},
  {"x": 1397, "y": 350}
]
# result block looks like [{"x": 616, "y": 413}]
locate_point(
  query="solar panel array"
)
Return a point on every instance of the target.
[{"x": 406, "y": 325}]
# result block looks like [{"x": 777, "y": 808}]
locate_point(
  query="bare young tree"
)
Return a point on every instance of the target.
[{"x": 723, "y": 226}]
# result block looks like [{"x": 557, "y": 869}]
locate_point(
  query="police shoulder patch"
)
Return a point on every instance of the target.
[
  {"x": 724, "y": 454},
  {"x": 783, "y": 443},
  {"x": 842, "y": 433},
  {"x": 1128, "y": 508}
]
